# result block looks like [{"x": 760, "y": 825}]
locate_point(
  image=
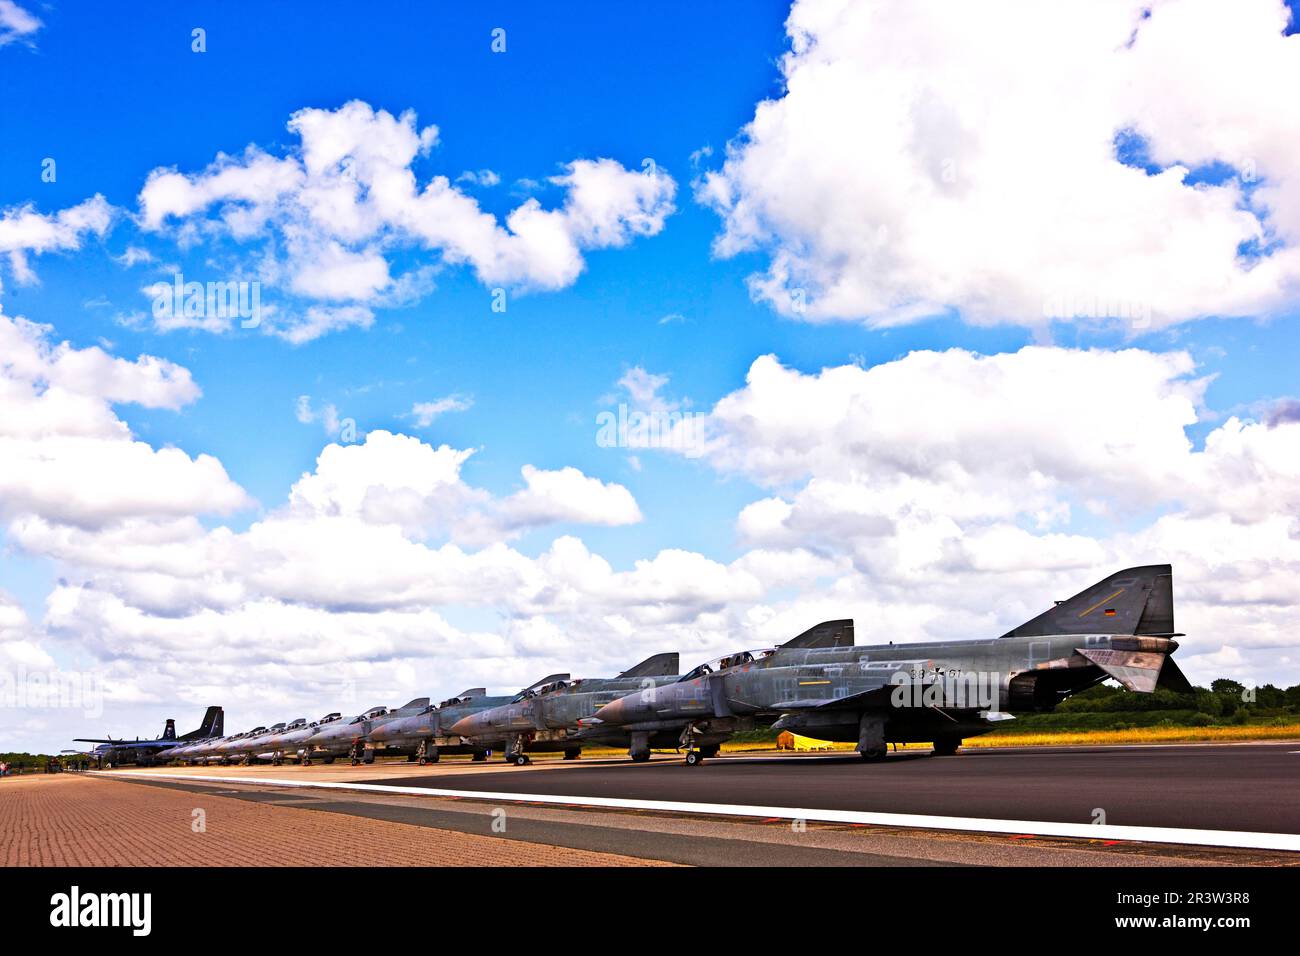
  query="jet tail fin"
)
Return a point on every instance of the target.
[
  {"x": 1133, "y": 601},
  {"x": 660, "y": 665},
  {"x": 826, "y": 634},
  {"x": 214, "y": 720},
  {"x": 169, "y": 730},
  {"x": 415, "y": 706},
  {"x": 473, "y": 692}
]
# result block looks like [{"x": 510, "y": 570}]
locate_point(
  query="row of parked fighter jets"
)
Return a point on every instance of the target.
[{"x": 818, "y": 684}]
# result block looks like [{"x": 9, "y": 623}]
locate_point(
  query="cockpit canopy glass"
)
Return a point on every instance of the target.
[
  {"x": 729, "y": 660},
  {"x": 552, "y": 687}
]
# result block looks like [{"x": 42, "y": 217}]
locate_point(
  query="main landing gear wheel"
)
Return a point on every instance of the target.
[
  {"x": 573, "y": 753},
  {"x": 479, "y": 757},
  {"x": 946, "y": 746},
  {"x": 640, "y": 758},
  {"x": 520, "y": 760},
  {"x": 710, "y": 751},
  {"x": 693, "y": 758},
  {"x": 872, "y": 756}
]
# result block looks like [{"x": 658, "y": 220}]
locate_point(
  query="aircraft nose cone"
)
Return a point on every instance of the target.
[
  {"x": 615, "y": 712},
  {"x": 465, "y": 727}
]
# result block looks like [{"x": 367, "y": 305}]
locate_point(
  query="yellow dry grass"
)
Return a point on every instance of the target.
[
  {"x": 1142, "y": 735},
  {"x": 1136, "y": 735}
]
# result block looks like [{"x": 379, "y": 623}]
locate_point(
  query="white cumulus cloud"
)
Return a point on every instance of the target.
[
  {"x": 332, "y": 213},
  {"x": 931, "y": 156}
]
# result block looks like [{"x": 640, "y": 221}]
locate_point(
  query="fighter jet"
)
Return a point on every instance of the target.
[
  {"x": 147, "y": 751},
  {"x": 1122, "y": 627},
  {"x": 428, "y": 734},
  {"x": 260, "y": 743},
  {"x": 547, "y": 718},
  {"x": 345, "y": 736},
  {"x": 658, "y": 717}
]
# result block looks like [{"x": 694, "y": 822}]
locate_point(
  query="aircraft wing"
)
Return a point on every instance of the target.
[
  {"x": 877, "y": 695},
  {"x": 128, "y": 743},
  {"x": 874, "y": 688}
]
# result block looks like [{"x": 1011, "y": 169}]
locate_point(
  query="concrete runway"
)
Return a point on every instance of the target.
[{"x": 1242, "y": 787}]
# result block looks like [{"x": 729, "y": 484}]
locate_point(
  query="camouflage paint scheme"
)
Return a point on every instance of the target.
[
  {"x": 548, "y": 718},
  {"x": 1121, "y": 627}
]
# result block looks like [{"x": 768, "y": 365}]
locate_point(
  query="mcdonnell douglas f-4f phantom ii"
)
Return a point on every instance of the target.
[
  {"x": 546, "y": 718},
  {"x": 428, "y": 734},
  {"x": 346, "y": 735},
  {"x": 1122, "y": 627},
  {"x": 660, "y": 716}
]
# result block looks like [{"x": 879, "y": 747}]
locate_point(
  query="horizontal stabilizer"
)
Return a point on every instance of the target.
[
  {"x": 660, "y": 665},
  {"x": 1173, "y": 678},
  {"x": 1136, "y": 670},
  {"x": 1132, "y": 601},
  {"x": 825, "y": 634}
]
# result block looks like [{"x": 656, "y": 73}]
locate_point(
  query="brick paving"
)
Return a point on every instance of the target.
[{"x": 75, "y": 820}]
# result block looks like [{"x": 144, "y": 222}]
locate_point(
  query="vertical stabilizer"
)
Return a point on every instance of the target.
[{"x": 1132, "y": 601}]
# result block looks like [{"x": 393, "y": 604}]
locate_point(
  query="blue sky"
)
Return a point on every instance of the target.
[
  {"x": 658, "y": 86},
  {"x": 113, "y": 99}
]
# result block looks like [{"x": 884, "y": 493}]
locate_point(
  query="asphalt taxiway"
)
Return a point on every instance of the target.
[
  {"x": 1243, "y": 787},
  {"x": 737, "y": 809}
]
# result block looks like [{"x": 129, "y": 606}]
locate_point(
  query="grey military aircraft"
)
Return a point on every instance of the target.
[
  {"x": 202, "y": 751},
  {"x": 546, "y": 717},
  {"x": 146, "y": 751},
  {"x": 260, "y": 743},
  {"x": 1122, "y": 627},
  {"x": 280, "y": 741},
  {"x": 427, "y": 735},
  {"x": 345, "y": 736},
  {"x": 641, "y": 732}
]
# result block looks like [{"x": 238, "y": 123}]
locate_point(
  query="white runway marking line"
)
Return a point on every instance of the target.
[{"x": 1085, "y": 831}]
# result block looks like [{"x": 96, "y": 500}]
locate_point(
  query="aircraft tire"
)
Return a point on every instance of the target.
[
  {"x": 640, "y": 758},
  {"x": 694, "y": 758},
  {"x": 872, "y": 756},
  {"x": 573, "y": 753},
  {"x": 947, "y": 746}
]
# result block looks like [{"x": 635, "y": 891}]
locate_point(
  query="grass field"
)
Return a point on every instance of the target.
[{"x": 1057, "y": 738}]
